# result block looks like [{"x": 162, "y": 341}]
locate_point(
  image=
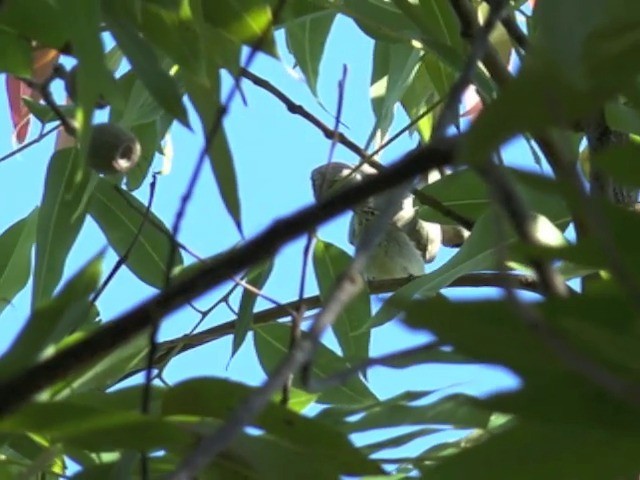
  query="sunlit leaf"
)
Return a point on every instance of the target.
[
  {"x": 246, "y": 21},
  {"x": 144, "y": 61}
]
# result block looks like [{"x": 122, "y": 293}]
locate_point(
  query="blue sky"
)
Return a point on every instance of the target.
[{"x": 275, "y": 152}]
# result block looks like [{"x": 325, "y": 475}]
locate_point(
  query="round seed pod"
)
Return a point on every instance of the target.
[{"x": 112, "y": 149}]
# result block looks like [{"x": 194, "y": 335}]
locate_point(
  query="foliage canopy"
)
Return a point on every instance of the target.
[{"x": 568, "y": 236}]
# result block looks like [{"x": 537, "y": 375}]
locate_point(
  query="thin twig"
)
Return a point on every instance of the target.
[
  {"x": 587, "y": 214},
  {"x": 169, "y": 348},
  {"x": 299, "y": 110},
  {"x": 211, "y": 133},
  {"x": 256, "y": 291},
  {"x": 342, "y": 83},
  {"x": 165, "y": 355},
  {"x": 297, "y": 314},
  {"x": 44, "y": 89},
  {"x": 507, "y": 196},
  {"x": 125, "y": 256},
  {"x": 44, "y": 134}
]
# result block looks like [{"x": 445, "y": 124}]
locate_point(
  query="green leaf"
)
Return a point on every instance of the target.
[
  {"x": 621, "y": 163},
  {"x": 119, "y": 215},
  {"x": 246, "y": 21},
  {"x": 272, "y": 343},
  {"x": 341, "y": 415},
  {"x": 219, "y": 49},
  {"x": 458, "y": 411},
  {"x": 96, "y": 429},
  {"x": 609, "y": 339},
  {"x": 40, "y": 20},
  {"x": 52, "y": 321},
  {"x": 437, "y": 19},
  {"x": 149, "y": 135},
  {"x": 15, "y": 257},
  {"x": 532, "y": 451},
  {"x": 257, "y": 276},
  {"x": 480, "y": 252},
  {"x": 398, "y": 440},
  {"x": 553, "y": 391},
  {"x": 92, "y": 76},
  {"x": 105, "y": 372},
  {"x": 214, "y": 398},
  {"x": 139, "y": 106},
  {"x": 419, "y": 96},
  {"x": 570, "y": 69},
  {"x": 329, "y": 263},
  {"x": 205, "y": 100},
  {"x": 16, "y": 54},
  {"x": 43, "y": 113},
  {"x": 62, "y": 213},
  {"x": 622, "y": 117},
  {"x": 172, "y": 29},
  {"x": 394, "y": 66},
  {"x": 306, "y": 40},
  {"x": 263, "y": 457},
  {"x": 466, "y": 193},
  {"x": 144, "y": 61},
  {"x": 478, "y": 329},
  {"x": 379, "y": 19}
]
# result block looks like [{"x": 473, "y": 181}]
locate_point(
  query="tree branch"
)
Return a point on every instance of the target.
[
  {"x": 17, "y": 390},
  {"x": 352, "y": 146},
  {"x": 169, "y": 348}
]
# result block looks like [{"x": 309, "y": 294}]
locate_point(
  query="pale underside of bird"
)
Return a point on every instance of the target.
[{"x": 408, "y": 242}]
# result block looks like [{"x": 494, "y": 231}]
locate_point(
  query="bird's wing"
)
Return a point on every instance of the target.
[{"x": 426, "y": 236}]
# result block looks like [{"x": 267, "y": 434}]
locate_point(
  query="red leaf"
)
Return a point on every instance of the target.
[
  {"x": 19, "y": 113},
  {"x": 44, "y": 60},
  {"x": 471, "y": 103}
]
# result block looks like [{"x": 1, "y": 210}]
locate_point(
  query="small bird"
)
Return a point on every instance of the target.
[{"x": 407, "y": 243}]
